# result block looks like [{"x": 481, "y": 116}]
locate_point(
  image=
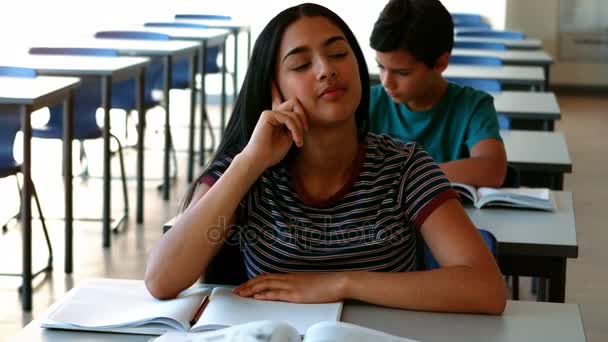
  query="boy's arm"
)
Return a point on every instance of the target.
[{"x": 486, "y": 166}]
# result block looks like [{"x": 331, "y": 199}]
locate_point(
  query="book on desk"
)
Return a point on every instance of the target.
[
  {"x": 125, "y": 306},
  {"x": 525, "y": 198}
]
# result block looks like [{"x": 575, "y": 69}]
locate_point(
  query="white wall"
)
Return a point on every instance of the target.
[{"x": 540, "y": 19}]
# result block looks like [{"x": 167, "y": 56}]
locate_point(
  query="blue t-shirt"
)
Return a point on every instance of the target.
[{"x": 448, "y": 131}]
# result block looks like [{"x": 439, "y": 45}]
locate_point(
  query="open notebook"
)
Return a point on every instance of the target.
[
  {"x": 274, "y": 331},
  {"x": 125, "y": 306},
  {"x": 530, "y": 198}
]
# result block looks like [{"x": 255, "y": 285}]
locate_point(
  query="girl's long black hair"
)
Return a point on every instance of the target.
[{"x": 255, "y": 96}]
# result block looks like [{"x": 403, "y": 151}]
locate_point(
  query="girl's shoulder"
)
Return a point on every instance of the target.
[{"x": 386, "y": 147}]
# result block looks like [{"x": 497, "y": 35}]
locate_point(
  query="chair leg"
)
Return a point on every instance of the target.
[
  {"x": 84, "y": 160},
  {"x": 127, "y": 114},
  {"x": 123, "y": 177},
  {"x": 17, "y": 215},
  {"x": 44, "y": 229}
]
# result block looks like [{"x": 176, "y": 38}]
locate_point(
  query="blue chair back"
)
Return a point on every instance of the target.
[
  {"x": 176, "y": 25},
  {"x": 154, "y": 71},
  {"x": 203, "y": 16},
  {"x": 87, "y": 98},
  {"x": 492, "y": 34},
  {"x": 10, "y": 124},
  {"x": 480, "y": 45},
  {"x": 99, "y": 52},
  {"x": 480, "y": 84},
  {"x": 467, "y": 18},
  {"x": 17, "y": 72},
  {"x": 482, "y": 26},
  {"x": 428, "y": 262},
  {"x": 141, "y": 35},
  {"x": 475, "y": 60}
]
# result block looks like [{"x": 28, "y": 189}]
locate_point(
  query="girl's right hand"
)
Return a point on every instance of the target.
[{"x": 277, "y": 130}]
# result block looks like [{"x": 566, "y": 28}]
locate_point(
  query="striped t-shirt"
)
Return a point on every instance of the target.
[{"x": 369, "y": 225}]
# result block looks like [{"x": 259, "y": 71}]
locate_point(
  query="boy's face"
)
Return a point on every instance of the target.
[{"x": 405, "y": 78}]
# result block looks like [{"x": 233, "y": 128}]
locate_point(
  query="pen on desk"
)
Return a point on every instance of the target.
[{"x": 199, "y": 310}]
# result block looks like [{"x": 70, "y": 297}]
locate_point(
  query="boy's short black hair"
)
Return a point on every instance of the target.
[{"x": 423, "y": 28}]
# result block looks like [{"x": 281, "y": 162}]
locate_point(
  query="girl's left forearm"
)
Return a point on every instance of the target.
[{"x": 451, "y": 289}]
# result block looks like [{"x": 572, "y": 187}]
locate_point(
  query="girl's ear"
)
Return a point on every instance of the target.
[{"x": 275, "y": 94}]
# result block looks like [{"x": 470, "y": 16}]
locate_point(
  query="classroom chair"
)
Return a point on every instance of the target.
[
  {"x": 486, "y": 85},
  {"x": 492, "y": 34},
  {"x": 480, "y": 45},
  {"x": 87, "y": 99},
  {"x": 475, "y": 60},
  {"x": 10, "y": 124}
]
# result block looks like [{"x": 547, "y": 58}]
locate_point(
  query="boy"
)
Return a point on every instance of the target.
[{"x": 458, "y": 126}]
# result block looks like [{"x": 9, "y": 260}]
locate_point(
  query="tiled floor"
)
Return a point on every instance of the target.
[{"x": 585, "y": 123}]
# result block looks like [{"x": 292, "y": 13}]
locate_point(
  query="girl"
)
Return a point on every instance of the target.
[{"x": 324, "y": 211}]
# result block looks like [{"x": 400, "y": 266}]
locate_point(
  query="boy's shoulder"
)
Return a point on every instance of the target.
[{"x": 466, "y": 95}]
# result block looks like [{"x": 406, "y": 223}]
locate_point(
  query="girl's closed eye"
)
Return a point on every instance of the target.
[{"x": 300, "y": 67}]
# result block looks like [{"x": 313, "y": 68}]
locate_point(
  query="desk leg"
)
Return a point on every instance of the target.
[
  {"x": 192, "y": 81},
  {"x": 558, "y": 181},
  {"x": 546, "y": 69},
  {"x": 557, "y": 281},
  {"x": 223, "y": 96},
  {"x": 140, "y": 82},
  {"x": 106, "y": 99},
  {"x": 26, "y": 208},
  {"x": 68, "y": 136},
  {"x": 166, "y": 86},
  {"x": 202, "y": 64},
  {"x": 248, "y": 44},
  {"x": 236, "y": 65}
]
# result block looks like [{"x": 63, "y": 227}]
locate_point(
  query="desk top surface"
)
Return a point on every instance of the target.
[
  {"x": 526, "y": 44},
  {"x": 134, "y": 47},
  {"x": 521, "y": 321},
  {"x": 533, "y": 104},
  {"x": 536, "y": 57},
  {"x": 532, "y": 232},
  {"x": 21, "y": 90},
  {"x": 540, "y": 150},
  {"x": 74, "y": 65}
]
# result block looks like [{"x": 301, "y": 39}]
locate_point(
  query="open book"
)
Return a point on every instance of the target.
[
  {"x": 275, "y": 331},
  {"x": 113, "y": 305},
  {"x": 532, "y": 198}
]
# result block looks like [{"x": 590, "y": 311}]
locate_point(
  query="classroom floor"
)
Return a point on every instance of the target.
[{"x": 584, "y": 122}]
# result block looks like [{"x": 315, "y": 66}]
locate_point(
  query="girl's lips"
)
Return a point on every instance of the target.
[{"x": 332, "y": 93}]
